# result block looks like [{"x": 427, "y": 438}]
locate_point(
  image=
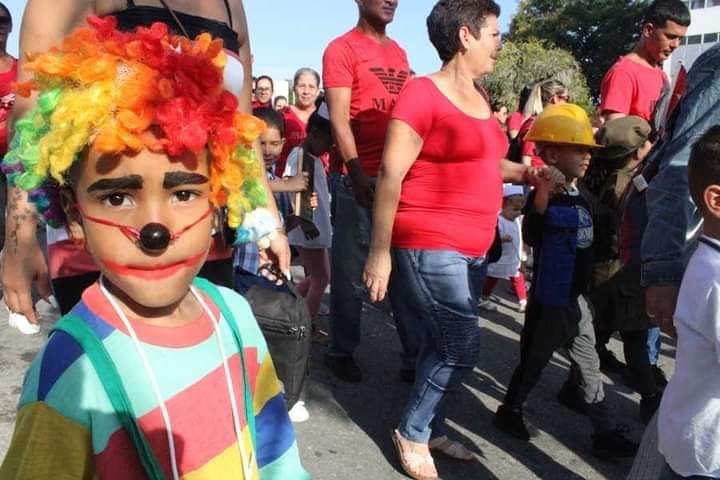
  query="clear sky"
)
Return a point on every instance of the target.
[{"x": 288, "y": 34}]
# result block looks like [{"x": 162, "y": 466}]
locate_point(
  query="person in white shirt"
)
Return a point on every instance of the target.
[
  {"x": 689, "y": 415},
  {"x": 508, "y": 266}
]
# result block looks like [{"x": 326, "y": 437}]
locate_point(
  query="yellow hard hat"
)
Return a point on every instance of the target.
[{"x": 564, "y": 123}]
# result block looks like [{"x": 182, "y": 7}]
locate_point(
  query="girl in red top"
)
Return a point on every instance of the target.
[
  {"x": 8, "y": 74},
  {"x": 306, "y": 86},
  {"x": 547, "y": 92},
  {"x": 438, "y": 194}
]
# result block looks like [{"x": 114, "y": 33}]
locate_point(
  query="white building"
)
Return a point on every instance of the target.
[{"x": 702, "y": 34}]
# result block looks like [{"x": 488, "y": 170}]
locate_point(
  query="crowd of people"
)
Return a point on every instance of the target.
[{"x": 173, "y": 183}]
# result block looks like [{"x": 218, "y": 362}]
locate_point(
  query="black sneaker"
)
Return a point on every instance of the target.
[
  {"x": 659, "y": 376},
  {"x": 572, "y": 397},
  {"x": 511, "y": 422},
  {"x": 344, "y": 368},
  {"x": 609, "y": 362},
  {"x": 407, "y": 375},
  {"x": 648, "y": 407},
  {"x": 613, "y": 444}
]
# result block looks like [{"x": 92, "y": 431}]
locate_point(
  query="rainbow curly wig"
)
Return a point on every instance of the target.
[{"x": 107, "y": 89}]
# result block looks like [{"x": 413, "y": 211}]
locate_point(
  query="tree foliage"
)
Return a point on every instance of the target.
[
  {"x": 525, "y": 63},
  {"x": 597, "y": 32}
]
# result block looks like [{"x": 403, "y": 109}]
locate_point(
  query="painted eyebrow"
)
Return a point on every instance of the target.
[
  {"x": 130, "y": 182},
  {"x": 175, "y": 179}
]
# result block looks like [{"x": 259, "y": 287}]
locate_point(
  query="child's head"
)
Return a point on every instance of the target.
[
  {"x": 272, "y": 140},
  {"x": 319, "y": 133},
  {"x": 625, "y": 141},
  {"x": 133, "y": 146},
  {"x": 564, "y": 137},
  {"x": 513, "y": 201},
  {"x": 704, "y": 177}
]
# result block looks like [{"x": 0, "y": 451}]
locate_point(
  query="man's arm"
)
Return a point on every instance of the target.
[
  {"x": 673, "y": 220},
  {"x": 339, "y": 104},
  {"x": 23, "y": 261}
]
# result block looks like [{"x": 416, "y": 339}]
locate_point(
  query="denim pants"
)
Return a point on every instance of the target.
[
  {"x": 440, "y": 289},
  {"x": 350, "y": 249},
  {"x": 654, "y": 342}
]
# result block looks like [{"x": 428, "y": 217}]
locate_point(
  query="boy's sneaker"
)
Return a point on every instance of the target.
[
  {"x": 609, "y": 362},
  {"x": 344, "y": 368},
  {"x": 298, "y": 413},
  {"x": 613, "y": 444},
  {"x": 486, "y": 304},
  {"x": 648, "y": 407},
  {"x": 659, "y": 376},
  {"x": 511, "y": 422},
  {"x": 572, "y": 397}
]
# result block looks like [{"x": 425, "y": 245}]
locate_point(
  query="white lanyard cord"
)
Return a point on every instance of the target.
[{"x": 156, "y": 388}]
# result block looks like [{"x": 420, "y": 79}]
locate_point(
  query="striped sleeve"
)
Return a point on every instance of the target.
[{"x": 277, "y": 452}]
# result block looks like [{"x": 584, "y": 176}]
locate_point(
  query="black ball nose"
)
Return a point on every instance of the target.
[{"x": 154, "y": 236}]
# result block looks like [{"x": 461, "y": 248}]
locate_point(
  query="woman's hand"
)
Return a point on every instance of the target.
[
  {"x": 548, "y": 178},
  {"x": 377, "y": 274}
]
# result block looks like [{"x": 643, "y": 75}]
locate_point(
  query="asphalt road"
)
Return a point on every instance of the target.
[{"x": 348, "y": 434}]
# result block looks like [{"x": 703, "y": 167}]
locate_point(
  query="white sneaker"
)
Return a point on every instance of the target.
[
  {"x": 16, "y": 320},
  {"x": 487, "y": 304},
  {"x": 298, "y": 413},
  {"x": 522, "y": 306}
]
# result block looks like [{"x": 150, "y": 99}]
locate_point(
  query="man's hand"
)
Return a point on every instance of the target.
[
  {"x": 19, "y": 268},
  {"x": 298, "y": 183},
  {"x": 278, "y": 253},
  {"x": 377, "y": 274},
  {"x": 363, "y": 187},
  {"x": 660, "y": 304}
]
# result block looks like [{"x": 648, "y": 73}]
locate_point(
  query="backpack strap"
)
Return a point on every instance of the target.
[
  {"x": 112, "y": 384},
  {"x": 214, "y": 293}
]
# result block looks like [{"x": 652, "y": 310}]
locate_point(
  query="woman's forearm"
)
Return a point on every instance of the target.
[{"x": 387, "y": 197}]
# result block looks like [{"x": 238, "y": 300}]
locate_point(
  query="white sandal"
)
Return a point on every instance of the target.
[{"x": 450, "y": 448}]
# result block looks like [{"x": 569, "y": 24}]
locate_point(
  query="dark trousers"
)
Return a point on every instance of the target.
[
  {"x": 636, "y": 356},
  {"x": 546, "y": 329},
  {"x": 669, "y": 474},
  {"x": 68, "y": 290}
]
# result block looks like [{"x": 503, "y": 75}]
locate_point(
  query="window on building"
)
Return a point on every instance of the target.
[
  {"x": 683, "y": 41},
  {"x": 695, "y": 4},
  {"x": 710, "y": 38},
  {"x": 694, "y": 40},
  {"x": 713, "y": 3}
]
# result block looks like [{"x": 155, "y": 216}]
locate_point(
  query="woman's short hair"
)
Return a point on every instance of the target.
[
  {"x": 448, "y": 16},
  {"x": 308, "y": 71}
]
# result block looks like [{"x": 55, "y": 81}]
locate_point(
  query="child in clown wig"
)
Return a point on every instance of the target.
[{"x": 133, "y": 147}]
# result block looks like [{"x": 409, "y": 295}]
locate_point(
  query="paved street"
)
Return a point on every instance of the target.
[{"x": 348, "y": 435}]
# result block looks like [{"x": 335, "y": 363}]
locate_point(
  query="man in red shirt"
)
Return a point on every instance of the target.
[
  {"x": 634, "y": 84},
  {"x": 363, "y": 72}
]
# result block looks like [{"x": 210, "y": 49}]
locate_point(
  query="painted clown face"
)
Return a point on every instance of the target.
[{"x": 146, "y": 219}]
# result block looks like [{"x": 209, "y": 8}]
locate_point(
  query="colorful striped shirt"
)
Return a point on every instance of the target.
[{"x": 67, "y": 428}]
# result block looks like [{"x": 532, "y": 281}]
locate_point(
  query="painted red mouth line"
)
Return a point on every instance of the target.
[{"x": 152, "y": 272}]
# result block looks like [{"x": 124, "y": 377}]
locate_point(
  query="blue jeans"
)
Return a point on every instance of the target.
[
  {"x": 350, "y": 249},
  {"x": 440, "y": 288},
  {"x": 653, "y": 345},
  {"x": 245, "y": 280}
]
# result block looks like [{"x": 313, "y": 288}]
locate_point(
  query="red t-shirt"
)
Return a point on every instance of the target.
[
  {"x": 376, "y": 73},
  {"x": 515, "y": 121},
  {"x": 259, "y": 104},
  {"x": 295, "y": 133},
  {"x": 7, "y": 99},
  {"x": 452, "y": 194},
  {"x": 631, "y": 88},
  {"x": 527, "y": 149}
]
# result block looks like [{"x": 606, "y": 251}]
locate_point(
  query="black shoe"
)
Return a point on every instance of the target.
[
  {"x": 572, "y": 397},
  {"x": 407, "y": 375},
  {"x": 344, "y": 368},
  {"x": 659, "y": 376},
  {"x": 613, "y": 444},
  {"x": 648, "y": 407},
  {"x": 511, "y": 422},
  {"x": 609, "y": 362}
]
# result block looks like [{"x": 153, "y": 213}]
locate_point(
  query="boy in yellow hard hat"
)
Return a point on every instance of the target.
[{"x": 559, "y": 227}]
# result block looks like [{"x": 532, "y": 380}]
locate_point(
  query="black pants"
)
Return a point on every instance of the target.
[
  {"x": 636, "y": 356},
  {"x": 68, "y": 290},
  {"x": 548, "y": 329}
]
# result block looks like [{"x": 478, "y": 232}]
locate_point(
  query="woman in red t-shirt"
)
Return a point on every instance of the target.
[
  {"x": 306, "y": 87},
  {"x": 8, "y": 74},
  {"x": 438, "y": 195},
  {"x": 547, "y": 92}
]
